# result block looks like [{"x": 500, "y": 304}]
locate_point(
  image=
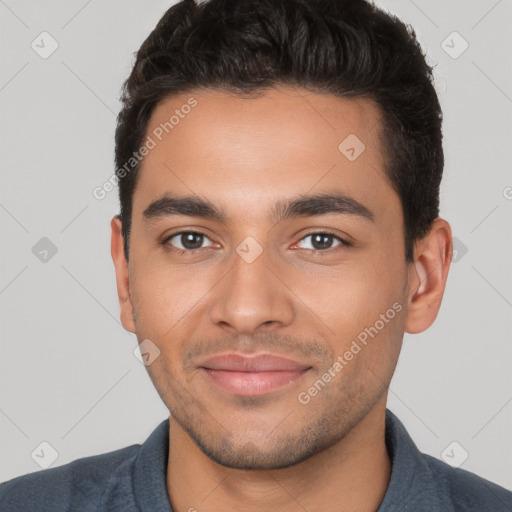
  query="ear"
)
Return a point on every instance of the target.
[
  {"x": 427, "y": 276},
  {"x": 122, "y": 276}
]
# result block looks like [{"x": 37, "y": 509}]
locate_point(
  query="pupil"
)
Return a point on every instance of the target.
[
  {"x": 187, "y": 240},
  {"x": 321, "y": 241}
]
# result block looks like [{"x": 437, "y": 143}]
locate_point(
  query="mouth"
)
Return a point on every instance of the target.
[{"x": 252, "y": 375}]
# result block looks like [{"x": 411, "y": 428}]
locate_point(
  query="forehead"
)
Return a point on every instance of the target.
[{"x": 242, "y": 153}]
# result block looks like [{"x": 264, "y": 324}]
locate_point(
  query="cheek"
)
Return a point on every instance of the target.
[
  {"x": 361, "y": 301},
  {"x": 167, "y": 300},
  {"x": 345, "y": 296}
]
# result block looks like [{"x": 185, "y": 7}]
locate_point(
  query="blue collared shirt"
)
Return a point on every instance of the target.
[{"x": 133, "y": 479}]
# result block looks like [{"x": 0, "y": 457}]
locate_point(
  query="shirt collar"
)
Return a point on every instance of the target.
[
  {"x": 411, "y": 485},
  {"x": 150, "y": 471}
]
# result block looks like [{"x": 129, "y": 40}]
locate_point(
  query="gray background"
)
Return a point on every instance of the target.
[{"x": 68, "y": 375}]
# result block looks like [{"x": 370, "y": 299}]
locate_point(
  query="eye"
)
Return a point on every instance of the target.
[
  {"x": 186, "y": 241},
  {"x": 323, "y": 240}
]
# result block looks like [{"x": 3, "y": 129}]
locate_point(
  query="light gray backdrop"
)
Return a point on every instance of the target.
[{"x": 68, "y": 376}]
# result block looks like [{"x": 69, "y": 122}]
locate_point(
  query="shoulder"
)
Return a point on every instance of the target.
[
  {"x": 466, "y": 490},
  {"x": 78, "y": 485},
  {"x": 422, "y": 483}
]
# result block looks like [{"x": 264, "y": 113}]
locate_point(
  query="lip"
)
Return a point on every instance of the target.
[{"x": 252, "y": 375}]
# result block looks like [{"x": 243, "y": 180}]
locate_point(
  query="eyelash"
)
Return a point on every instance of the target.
[{"x": 186, "y": 252}]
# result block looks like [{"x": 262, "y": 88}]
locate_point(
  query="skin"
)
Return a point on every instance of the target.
[{"x": 272, "y": 452}]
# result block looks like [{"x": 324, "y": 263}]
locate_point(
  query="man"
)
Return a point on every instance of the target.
[{"x": 279, "y": 164}]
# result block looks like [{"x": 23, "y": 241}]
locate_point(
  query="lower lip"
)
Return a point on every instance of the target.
[{"x": 252, "y": 383}]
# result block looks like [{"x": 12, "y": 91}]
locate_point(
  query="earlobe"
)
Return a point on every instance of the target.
[
  {"x": 427, "y": 276},
  {"x": 122, "y": 276}
]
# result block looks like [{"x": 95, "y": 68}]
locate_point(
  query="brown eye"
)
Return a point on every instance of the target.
[
  {"x": 187, "y": 240},
  {"x": 322, "y": 241}
]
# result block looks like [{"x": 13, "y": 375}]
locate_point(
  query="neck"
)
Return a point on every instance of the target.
[{"x": 351, "y": 475}]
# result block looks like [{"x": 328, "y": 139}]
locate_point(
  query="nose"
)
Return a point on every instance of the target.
[{"x": 251, "y": 297}]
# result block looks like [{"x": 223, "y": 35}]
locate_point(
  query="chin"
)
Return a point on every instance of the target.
[{"x": 263, "y": 454}]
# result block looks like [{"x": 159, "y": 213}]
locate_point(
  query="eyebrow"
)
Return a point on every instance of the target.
[{"x": 303, "y": 206}]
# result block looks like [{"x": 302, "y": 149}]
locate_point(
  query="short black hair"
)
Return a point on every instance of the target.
[{"x": 346, "y": 48}]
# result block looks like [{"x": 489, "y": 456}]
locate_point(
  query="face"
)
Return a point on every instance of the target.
[{"x": 276, "y": 291}]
